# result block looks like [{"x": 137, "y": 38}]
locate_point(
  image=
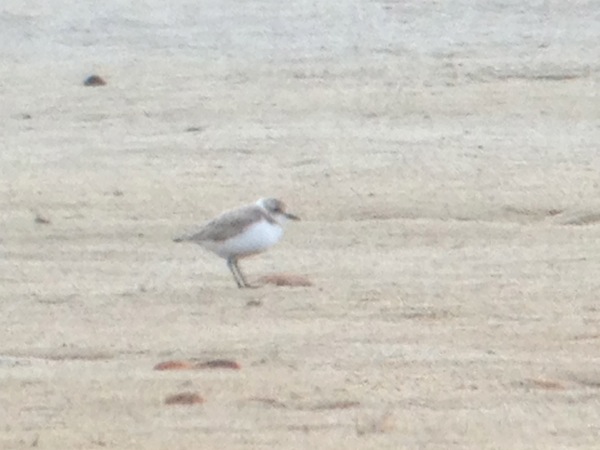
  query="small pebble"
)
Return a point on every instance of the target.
[
  {"x": 174, "y": 365},
  {"x": 94, "y": 80},
  {"x": 218, "y": 364},
  {"x": 184, "y": 398}
]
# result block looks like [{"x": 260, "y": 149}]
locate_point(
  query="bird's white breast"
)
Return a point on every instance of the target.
[{"x": 255, "y": 238}]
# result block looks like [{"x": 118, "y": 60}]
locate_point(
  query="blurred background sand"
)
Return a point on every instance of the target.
[{"x": 444, "y": 158}]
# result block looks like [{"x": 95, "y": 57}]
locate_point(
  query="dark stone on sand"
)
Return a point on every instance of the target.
[
  {"x": 184, "y": 398},
  {"x": 41, "y": 219},
  {"x": 94, "y": 80},
  {"x": 194, "y": 129},
  {"x": 218, "y": 364}
]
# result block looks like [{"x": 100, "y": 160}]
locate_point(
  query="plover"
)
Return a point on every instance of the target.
[{"x": 242, "y": 232}]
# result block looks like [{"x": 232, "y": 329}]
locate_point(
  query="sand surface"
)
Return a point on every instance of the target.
[{"x": 443, "y": 155}]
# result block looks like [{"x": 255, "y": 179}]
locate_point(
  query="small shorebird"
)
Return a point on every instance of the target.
[{"x": 242, "y": 232}]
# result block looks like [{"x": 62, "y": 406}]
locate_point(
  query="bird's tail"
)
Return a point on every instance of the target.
[
  {"x": 190, "y": 236},
  {"x": 184, "y": 237}
]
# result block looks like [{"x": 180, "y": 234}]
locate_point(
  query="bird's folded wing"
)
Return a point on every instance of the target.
[{"x": 226, "y": 226}]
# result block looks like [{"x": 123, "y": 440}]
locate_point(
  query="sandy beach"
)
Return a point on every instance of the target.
[{"x": 443, "y": 157}]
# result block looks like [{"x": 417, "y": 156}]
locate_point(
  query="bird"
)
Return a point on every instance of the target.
[{"x": 242, "y": 232}]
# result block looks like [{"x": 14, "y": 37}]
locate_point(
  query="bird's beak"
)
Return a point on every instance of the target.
[{"x": 291, "y": 216}]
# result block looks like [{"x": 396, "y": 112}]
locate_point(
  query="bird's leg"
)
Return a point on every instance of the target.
[
  {"x": 240, "y": 274},
  {"x": 232, "y": 264}
]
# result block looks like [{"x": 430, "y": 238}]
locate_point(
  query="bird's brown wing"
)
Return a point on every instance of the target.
[{"x": 226, "y": 225}]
